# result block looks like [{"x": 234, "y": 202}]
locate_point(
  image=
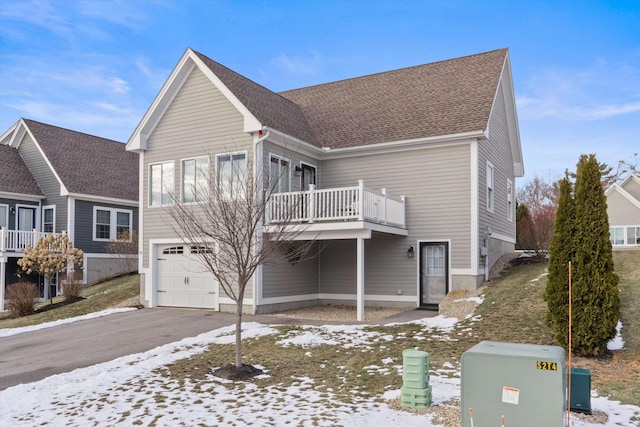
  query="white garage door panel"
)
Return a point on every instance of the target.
[{"x": 183, "y": 281}]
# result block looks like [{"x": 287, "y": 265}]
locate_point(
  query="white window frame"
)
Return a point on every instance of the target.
[
  {"x": 165, "y": 189},
  {"x": 490, "y": 179},
  {"x": 6, "y": 215},
  {"x": 44, "y": 209},
  {"x": 509, "y": 200},
  {"x": 625, "y": 235},
  {"x": 201, "y": 194},
  {"x": 113, "y": 222},
  {"x": 217, "y": 171},
  {"x": 279, "y": 188}
]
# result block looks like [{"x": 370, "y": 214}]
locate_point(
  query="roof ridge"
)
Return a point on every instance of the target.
[
  {"x": 396, "y": 70},
  {"x": 71, "y": 130}
]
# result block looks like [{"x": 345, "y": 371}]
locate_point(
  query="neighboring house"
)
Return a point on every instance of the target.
[
  {"x": 623, "y": 209},
  {"x": 428, "y": 155},
  {"x": 54, "y": 180}
]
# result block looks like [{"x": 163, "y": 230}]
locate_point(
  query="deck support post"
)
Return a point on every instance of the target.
[
  {"x": 360, "y": 280},
  {"x": 2, "y": 282}
]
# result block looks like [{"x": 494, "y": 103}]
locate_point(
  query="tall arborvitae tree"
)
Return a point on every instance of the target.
[
  {"x": 596, "y": 305},
  {"x": 560, "y": 253}
]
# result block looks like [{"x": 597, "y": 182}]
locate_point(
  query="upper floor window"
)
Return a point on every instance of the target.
[
  {"x": 161, "y": 184},
  {"x": 509, "y": 200},
  {"x": 49, "y": 219},
  {"x": 195, "y": 180},
  {"x": 231, "y": 170},
  {"x": 279, "y": 174},
  {"x": 111, "y": 223},
  {"x": 490, "y": 188},
  {"x": 4, "y": 216}
]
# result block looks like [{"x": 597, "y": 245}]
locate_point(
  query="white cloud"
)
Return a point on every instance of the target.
[
  {"x": 601, "y": 91},
  {"x": 301, "y": 64}
]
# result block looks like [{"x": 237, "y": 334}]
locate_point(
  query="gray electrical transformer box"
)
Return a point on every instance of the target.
[{"x": 525, "y": 383}]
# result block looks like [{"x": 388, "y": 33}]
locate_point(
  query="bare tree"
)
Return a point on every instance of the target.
[
  {"x": 222, "y": 214},
  {"x": 611, "y": 175},
  {"x": 125, "y": 249},
  {"x": 537, "y": 203}
]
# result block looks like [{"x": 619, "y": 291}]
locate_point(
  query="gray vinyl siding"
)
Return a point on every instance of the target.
[
  {"x": 436, "y": 183},
  {"x": 46, "y": 180},
  {"x": 281, "y": 278},
  {"x": 632, "y": 187},
  {"x": 621, "y": 211},
  {"x": 11, "y": 203},
  {"x": 497, "y": 150},
  {"x": 84, "y": 225},
  {"x": 200, "y": 121}
]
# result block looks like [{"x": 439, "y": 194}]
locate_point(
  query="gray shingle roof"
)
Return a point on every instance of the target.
[
  {"x": 15, "y": 177},
  {"x": 268, "y": 107},
  {"x": 436, "y": 99},
  {"x": 88, "y": 164}
]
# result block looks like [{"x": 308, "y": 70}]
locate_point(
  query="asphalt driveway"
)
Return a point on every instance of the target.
[{"x": 32, "y": 356}]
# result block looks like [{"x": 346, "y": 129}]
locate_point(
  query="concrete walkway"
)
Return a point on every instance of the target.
[{"x": 35, "y": 355}]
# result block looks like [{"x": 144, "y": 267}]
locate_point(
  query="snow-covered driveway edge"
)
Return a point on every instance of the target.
[{"x": 7, "y": 332}]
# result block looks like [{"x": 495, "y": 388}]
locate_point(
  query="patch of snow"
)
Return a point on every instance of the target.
[
  {"x": 477, "y": 300},
  {"x": 617, "y": 343},
  {"x": 7, "y": 332}
]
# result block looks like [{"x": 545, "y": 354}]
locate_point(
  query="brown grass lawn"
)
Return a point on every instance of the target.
[
  {"x": 513, "y": 310},
  {"x": 97, "y": 297}
]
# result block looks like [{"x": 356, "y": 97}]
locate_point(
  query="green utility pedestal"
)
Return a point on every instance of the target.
[
  {"x": 416, "y": 391},
  {"x": 580, "y": 390}
]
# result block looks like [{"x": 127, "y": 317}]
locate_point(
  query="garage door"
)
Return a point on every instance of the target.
[{"x": 182, "y": 280}]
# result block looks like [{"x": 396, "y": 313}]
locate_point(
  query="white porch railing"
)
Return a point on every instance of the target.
[
  {"x": 17, "y": 240},
  {"x": 337, "y": 204}
]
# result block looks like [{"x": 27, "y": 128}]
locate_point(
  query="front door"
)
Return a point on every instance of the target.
[
  {"x": 434, "y": 273},
  {"x": 26, "y": 219},
  {"x": 308, "y": 176}
]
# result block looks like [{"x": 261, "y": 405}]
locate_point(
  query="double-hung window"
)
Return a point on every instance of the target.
[
  {"x": 195, "y": 180},
  {"x": 111, "y": 223},
  {"x": 231, "y": 175},
  {"x": 161, "y": 184},
  {"x": 490, "y": 188},
  {"x": 279, "y": 174},
  {"x": 49, "y": 219}
]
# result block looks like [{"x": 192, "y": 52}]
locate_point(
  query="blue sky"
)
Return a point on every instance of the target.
[{"x": 96, "y": 66}]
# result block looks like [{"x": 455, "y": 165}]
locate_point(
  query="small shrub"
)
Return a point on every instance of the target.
[
  {"x": 71, "y": 285},
  {"x": 21, "y": 298}
]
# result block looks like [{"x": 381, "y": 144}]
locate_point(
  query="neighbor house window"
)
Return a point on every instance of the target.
[
  {"x": 49, "y": 219},
  {"x": 231, "y": 169},
  {"x": 624, "y": 235},
  {"x": 111, "y": 223},
  {"x": 279, "y": 174},
  {"x": 490, "y": 188},
  {"x": 195, "y": 180},
  {"x": 4, "y": 216},
  {"x": 509, "y": 200},
  {"x": 161, "y": 184}
]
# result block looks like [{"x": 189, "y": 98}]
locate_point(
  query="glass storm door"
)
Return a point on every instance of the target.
[
  {"x": 26, "y": 219},
  {"x": 308, "y": 176},
  {"x": 434, "y": 273}
]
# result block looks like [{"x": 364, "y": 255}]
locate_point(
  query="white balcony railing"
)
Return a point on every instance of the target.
[
  {"x": 337, "y": 204},
  {"x": 18, "y": 240}
]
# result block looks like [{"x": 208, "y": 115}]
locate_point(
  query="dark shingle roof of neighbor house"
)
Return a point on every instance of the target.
[
  {"x": 15, "y": 177},
  {"x": 88, "y": 164},
  {"x": 436, "y": 99}
]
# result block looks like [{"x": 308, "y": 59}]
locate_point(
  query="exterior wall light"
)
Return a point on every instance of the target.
[{"x": 410, "y": 252}]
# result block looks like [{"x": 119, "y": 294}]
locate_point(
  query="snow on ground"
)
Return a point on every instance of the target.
[
  {"x": 15, "y": 331},
  {"x": 130, "y": 390},
  {"x": 617, "y": 343}
]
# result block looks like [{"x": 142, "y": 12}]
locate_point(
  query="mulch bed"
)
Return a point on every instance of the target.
[{"x": 233, "y": 373}]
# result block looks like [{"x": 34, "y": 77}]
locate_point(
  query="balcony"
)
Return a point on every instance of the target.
[
  {"x": 17, "y": 240},
  {"x": 345, "y": 208}
]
